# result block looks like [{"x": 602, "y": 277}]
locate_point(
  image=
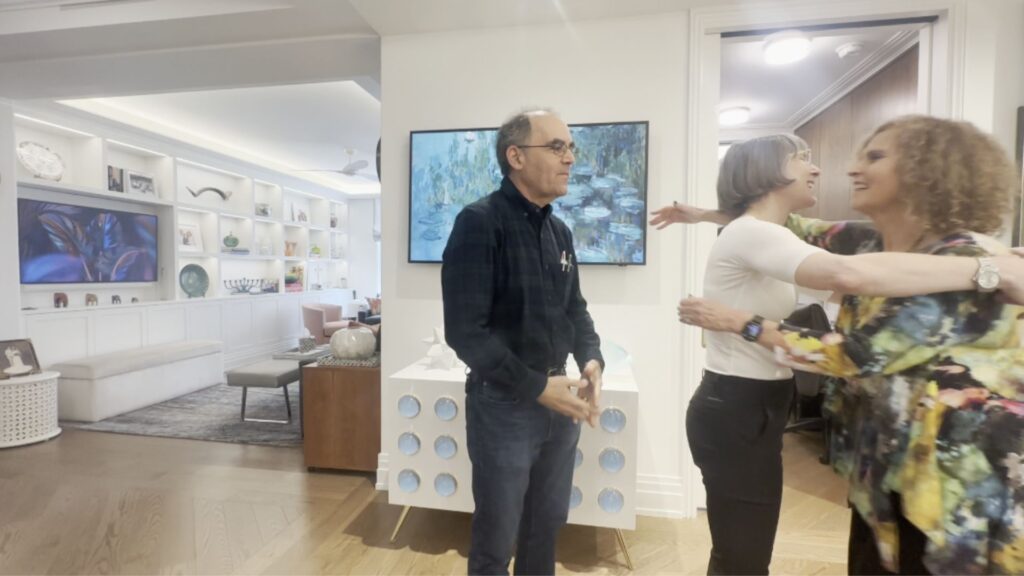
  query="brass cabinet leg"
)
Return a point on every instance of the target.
[
  {"x": 625, "y": 549},
  {"x": 401, "y": 520}
]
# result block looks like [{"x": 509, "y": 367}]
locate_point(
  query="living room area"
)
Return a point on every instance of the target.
[{"x": 208, "y": 208}]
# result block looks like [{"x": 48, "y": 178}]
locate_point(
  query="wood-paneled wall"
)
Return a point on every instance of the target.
[{"x": 836, "y": 133}]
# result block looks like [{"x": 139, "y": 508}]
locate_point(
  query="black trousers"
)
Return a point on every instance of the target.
[
  {"x": 863, "y": 557},
  {"x": 735, "y": 426}
]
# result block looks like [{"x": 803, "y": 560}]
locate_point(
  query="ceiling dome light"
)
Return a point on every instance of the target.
[
  {"x": 733, "y": 116},
  {"x": 849, "y": 49},
  {"x": 786, "y": 47}
]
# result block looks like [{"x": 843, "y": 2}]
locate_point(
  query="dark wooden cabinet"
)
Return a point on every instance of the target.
[{"x": 341, "y": 417}]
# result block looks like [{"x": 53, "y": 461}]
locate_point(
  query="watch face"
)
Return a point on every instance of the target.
[{"x": 988, "y": 280}]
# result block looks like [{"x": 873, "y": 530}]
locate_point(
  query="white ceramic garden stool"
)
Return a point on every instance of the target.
[{"x": 28, "y": 409}]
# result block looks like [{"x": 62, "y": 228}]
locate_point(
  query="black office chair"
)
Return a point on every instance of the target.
[{"x": 809, "y": 392}]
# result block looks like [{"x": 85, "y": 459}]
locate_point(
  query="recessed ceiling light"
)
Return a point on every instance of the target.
[
  {"x": 733, "y": 116},
  {"x": 786, "y": 47},
  {"x": 849, "y": 49}
]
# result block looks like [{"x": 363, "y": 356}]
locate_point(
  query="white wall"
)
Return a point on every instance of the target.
[
  {"x": 10, "y": 294},
  {"x": 994, "y": 77},
  {"x": 630, "y": 69},
  {"x": 363, "y": 271}
]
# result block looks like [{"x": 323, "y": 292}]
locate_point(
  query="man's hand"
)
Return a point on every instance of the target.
[
  {"x": 593, "y": 374},
  {"x": 558, "y": 396}
]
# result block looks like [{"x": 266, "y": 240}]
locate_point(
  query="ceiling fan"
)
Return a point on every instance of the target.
[{"x": 351, "y": 168}]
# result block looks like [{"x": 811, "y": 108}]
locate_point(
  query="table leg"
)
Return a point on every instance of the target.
[
  {"x": 625, "y": 549},
  {"x": 401, "y": 520}
]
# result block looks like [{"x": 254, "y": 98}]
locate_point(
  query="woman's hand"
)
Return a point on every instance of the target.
[
  {"x": 678, "y": 214},
  {"x": 711, "y": 315}
]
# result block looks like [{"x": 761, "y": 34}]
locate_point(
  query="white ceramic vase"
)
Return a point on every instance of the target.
[{"x": 353, "y": 343}]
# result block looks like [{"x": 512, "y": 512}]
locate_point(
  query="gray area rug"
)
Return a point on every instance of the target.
[{"x": 212, "y": 414}]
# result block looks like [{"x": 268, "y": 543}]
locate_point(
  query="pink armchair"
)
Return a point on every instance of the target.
[{"x": 322, "y": 320}]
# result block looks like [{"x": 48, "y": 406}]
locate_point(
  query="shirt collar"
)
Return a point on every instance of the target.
[{"x": 520, "y": 201}]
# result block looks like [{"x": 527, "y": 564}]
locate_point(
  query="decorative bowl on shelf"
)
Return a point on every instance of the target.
[
  {"x": 40, "y": 161},
  {"x": 194, "y": 280},
  {"x": 231, "y": 240}
]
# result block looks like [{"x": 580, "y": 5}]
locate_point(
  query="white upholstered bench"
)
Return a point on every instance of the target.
[{"x": 106, "y": 385}]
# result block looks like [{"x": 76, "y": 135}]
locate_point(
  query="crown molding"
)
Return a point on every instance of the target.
[
  {"x": 748, "y": 131},
  {"x": 893, "y": 48}
]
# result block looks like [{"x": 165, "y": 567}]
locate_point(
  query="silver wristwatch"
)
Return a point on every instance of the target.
[{"x": 987, "y": 276}]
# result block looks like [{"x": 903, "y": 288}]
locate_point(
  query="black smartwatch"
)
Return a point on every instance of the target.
[{"x": 752, "y": 330}]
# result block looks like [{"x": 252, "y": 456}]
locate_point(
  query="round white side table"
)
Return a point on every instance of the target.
[{"x": 28, "y": 409}]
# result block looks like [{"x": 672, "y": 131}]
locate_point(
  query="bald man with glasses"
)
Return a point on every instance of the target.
[{"x": 513, "y": 312}]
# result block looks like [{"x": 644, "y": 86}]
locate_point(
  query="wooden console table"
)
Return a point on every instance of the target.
[{"x": 341, "y": 417}]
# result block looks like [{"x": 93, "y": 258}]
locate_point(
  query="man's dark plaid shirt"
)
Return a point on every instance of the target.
[{"x": 512, "y": 303}]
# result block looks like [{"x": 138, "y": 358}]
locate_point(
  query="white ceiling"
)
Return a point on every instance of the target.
[
  {"x": 291, "y": 128},
  {"x": 292, "y": 82},
  {"x": 783, "y": 97}
]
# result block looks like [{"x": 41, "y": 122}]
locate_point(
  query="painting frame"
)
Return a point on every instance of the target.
[
  {"x": 604, "y": 208},
  {"x": 140, "y": 183},
  {"x": 18, "y": 358},
  {"x": 190, "y": 237},
  {"x": 115, "y": 179}
]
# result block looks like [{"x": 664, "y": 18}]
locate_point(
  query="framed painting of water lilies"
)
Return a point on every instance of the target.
[{"x": 605, "y": 205}]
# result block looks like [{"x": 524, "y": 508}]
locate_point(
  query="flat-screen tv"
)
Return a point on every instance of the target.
[
  {"x": 605, "y": 207},
  {"x": 65, "y": 244}
]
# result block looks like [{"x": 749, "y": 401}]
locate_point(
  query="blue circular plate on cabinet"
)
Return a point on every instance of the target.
[
  {"x": 613, "y": 420},
  {"x": 611, "y": 460},
  {"x": 445, "y": 484},
  {"x": 610, "y": 500},
  {"x": 446, "y": 409},
  {"x": 408, "y": 406},
  {"x": 575, "y": 497},
  {"x": 408, "y": 443},
  {"x": 446, "y": 447},
  {"x": 579, "y": 458},
  {"x": 408, "y": 480}
]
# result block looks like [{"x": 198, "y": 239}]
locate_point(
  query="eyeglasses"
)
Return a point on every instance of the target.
[
  {"x": 556, "y": 146},
  {"x": 804, "y": 155}
]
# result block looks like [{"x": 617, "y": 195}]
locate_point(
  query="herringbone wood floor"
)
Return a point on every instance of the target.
[{"x": 96, "y": 503}]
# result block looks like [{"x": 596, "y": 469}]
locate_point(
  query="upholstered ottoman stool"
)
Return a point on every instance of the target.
[{"x": 265, "y": 374}]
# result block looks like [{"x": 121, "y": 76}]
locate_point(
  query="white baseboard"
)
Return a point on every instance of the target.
[
  {"x": 661, "y": 496},
  {"x": 382, "y": 471}
]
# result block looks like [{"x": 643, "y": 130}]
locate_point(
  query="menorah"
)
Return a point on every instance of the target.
[{"x": 244, "y": 285}]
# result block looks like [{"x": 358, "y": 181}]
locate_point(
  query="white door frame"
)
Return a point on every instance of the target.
[{"x": 943, "y": 93}]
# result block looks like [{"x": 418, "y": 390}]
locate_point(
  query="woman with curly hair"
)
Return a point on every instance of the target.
[{"x": 930, "y": 420}]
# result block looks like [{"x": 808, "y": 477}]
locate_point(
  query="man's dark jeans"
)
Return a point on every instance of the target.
[{"x": 523, "y": 456}]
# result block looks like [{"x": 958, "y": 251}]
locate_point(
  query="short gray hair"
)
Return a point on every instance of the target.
[
  {"x": 516, "y": 130},
  {"x": 754, "y": 168}
]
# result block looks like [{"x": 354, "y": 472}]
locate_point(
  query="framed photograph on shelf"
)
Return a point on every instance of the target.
[
  {"x": 17, "y": 358},
  {"x": 190, "y": 238},
  {"x": 140, "y": 183},
  {"x": 115, "y": 179}
]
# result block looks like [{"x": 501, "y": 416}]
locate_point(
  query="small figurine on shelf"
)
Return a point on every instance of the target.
[
  {"x": 91, "y": 300},
  {"x": 302, "y": 216},
  {"x": 115, "y": 299},
  {"x": 135, "y": 300},
  {"x": 60, "y": 300},
  {"x": 334, "y": 221}
]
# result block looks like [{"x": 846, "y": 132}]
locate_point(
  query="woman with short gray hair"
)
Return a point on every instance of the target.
[{"x": 738, "y": 414}]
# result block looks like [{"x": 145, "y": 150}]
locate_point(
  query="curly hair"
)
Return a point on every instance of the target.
[{"x": 954, "y": 176}]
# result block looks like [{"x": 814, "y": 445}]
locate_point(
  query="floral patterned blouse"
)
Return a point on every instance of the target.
[{"x": 932, "y": 408}]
